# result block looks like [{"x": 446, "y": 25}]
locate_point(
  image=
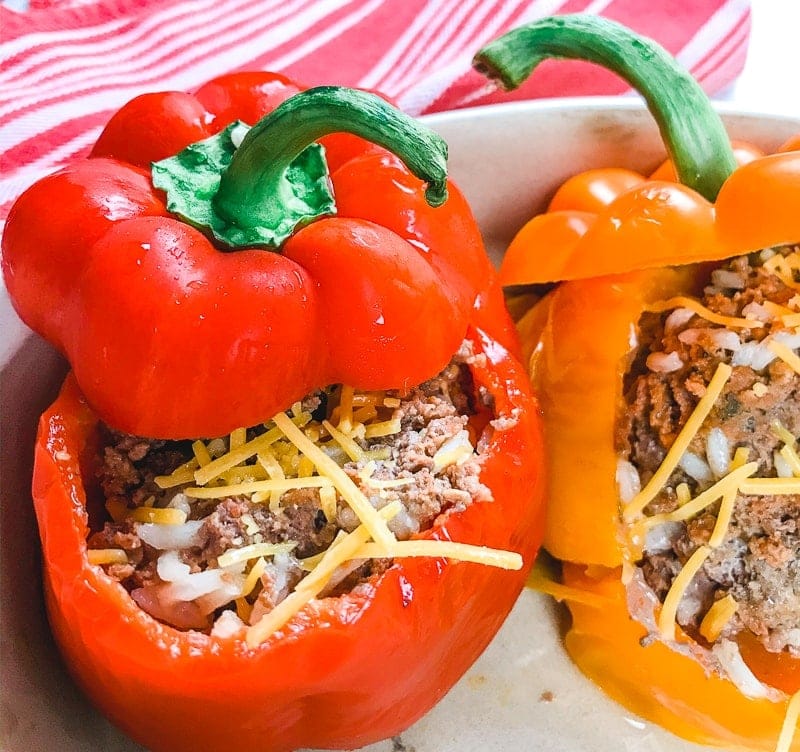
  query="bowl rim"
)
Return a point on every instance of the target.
[{"x": 615, "y": 103}]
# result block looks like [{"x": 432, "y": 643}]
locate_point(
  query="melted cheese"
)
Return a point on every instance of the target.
[
  {"x": 669, "y": 609},
  {"x": 681, "y": 443}
]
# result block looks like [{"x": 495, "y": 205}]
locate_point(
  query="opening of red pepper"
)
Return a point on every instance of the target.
[
  {"x": 692, "y": 131},
  {"x": 257, "y": 189}
]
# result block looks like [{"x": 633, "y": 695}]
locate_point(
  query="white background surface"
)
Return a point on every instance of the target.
[{"x": 769, "y": 82}]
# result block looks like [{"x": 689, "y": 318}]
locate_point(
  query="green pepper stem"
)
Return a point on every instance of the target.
[
  {"x": 692, "y": 131},
  {"x": 252, "y": 189}
]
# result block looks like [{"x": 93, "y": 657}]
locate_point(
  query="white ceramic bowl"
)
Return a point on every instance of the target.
[{"x": 523, "y": 693}]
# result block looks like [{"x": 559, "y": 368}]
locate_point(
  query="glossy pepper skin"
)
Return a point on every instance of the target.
[
  {"x": 623, "y": 241},
  {"x": 172, "y": 337},
  {"x": 345, "y": 671}
]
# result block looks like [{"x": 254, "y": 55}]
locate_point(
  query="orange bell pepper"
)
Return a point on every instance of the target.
[{"x": 623, "y": 241}]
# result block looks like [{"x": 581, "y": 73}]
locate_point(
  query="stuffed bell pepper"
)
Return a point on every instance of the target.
[
  {"x": 668, "y": 369},
  {"x": 291, "y": 487}
]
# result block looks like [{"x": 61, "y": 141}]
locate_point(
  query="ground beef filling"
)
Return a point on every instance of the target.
[
  {"x": 757, "y": 563},
  {"x": 429, "y": 460}
]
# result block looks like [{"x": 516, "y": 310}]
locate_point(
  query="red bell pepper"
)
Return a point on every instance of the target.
[
  {"x": 624, "y": 243},
  {"x": 343, "y": 672},
  {"x": 169, "y": 336}
]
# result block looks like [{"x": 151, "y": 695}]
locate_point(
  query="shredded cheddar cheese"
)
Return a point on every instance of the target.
[
  {"x": 697, "y": 307},
  {"x": 789, "y": 453},
  {"x": 327, "y": 497},
  {"x": 254, "y": 550},
  {"x": 669, "y": 609},
  {"x": 344, "y": 485},
  {"x": 351, "y": 449},
  {"x": 107, "y": 556},
  {"x": 786, "y": 354},
  {"x": 679, "y": 446},
  {"x": 256, "y": 486},
  {"x": 250, "y": 449},
  {"x": 201, "y": 453},
  {"x": 297, "y": 452},
  {"x": 312, "y": 585},
  {"x": 542, "y": 584},
  {"x": 789, "y": 727},
  {"x": 179, "y": 476},
  {"x": 723, "y": 517},
  {"x": 166, "y": 516},
  {"x": 739, "y": 477},
  {"x": 717, "y": 617},
  {"x": 730, "y": 482},
  {"x": 446, "y": 550},
  {"x": 770, "y": 486},
  {"x": 253, "y": 576}
]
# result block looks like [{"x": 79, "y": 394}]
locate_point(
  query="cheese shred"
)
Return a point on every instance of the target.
[
  {"x": 690, "y": 428},
  {"x": 312, "y": 585},
  {"x": 444, "y": 549},
  {"x": 695, "y": 306},
  {"x": 789, "y": 727},
  {"x": 669, "y": 609},
  {"x": 344, "y": 485},
  {"x": 717, "y": 617}
]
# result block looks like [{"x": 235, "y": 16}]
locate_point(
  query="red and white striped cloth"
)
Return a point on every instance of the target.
[{"x": 67, "y": 65}]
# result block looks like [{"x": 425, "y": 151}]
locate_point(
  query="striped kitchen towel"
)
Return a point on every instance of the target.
[{"x": 67, "y": 65}]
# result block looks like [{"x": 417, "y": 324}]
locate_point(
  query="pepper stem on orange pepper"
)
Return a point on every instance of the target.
[
  {"x": 258, "y": 190},
  {"x": 692, "y": 131}
]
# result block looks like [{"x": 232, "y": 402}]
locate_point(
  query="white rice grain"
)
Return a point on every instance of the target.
[
  {"x": 660, "y": 362},
  {"x": 696, "y": 468},
  {"x": 171, "y": 536},
  {"x": 727, "y": 279},
  {"x": 628, "y": 481},
  {"x": 718, "y": 452},
  {"x": 677, "y": 319},
  {"x": 782, "y": 467}
]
